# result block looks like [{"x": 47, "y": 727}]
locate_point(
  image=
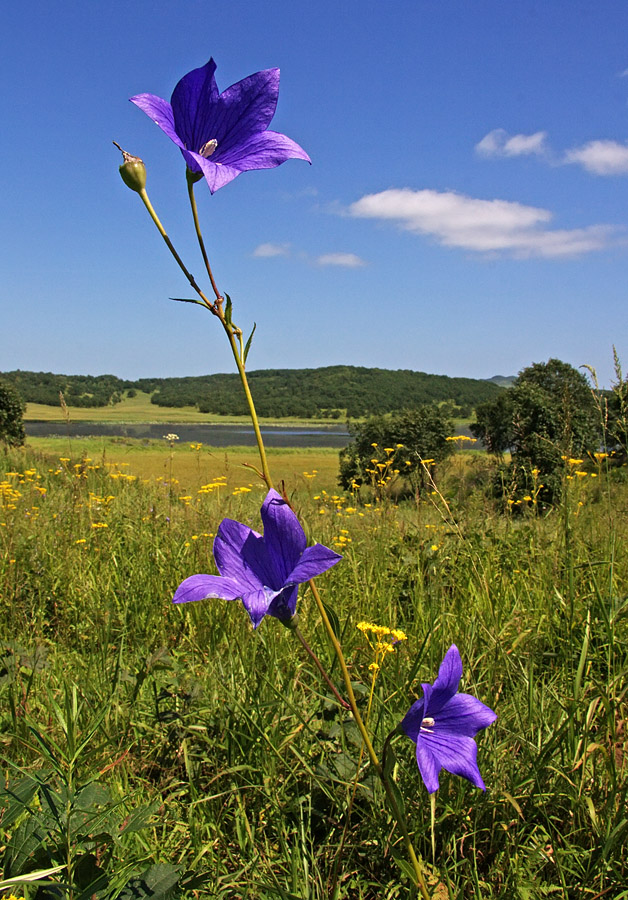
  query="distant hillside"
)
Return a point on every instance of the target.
[
  {"x": 332, "y": 391},
  {"x": 503, "y": 380}
]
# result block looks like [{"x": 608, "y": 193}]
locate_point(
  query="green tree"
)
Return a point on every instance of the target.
[
  {"x": 549, "y": 414},
  {"x": 11, "y": 415},
  {"x": 388, "y": 447}
]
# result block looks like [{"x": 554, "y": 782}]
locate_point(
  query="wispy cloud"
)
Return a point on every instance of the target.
[
  {"x": 499, "y": 143},
  {"x": 623, "y": 74},
  {"x": 499, "y": 227},
  {"x": 600, "y": 157},
  {"x": 265, "y": 251},
  {"x": 346, "y": 260}
]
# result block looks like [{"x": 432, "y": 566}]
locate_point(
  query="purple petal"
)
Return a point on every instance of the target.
[
  {"x": 446, "y": 685},
  {"x": 464, "y": 714},
  {"x": 283, "y": 536},
  {"x": 243, "y": 110},
  {"x": 216, "y": 174},
  {"x": 257, "y": 604},
  {"x": 160, "y": 112},
  {"x": 264, "y": 150},
  {"x": 200, "y": 587},
  {"x": 235, "y": 547},
  {"x": 193, "y": 104},
  {"x": 411, "y": 722},
  {"x": 455, "y": 753},
  {"x": 314, "y": 561},
  {"x": 284, "y": 606},
  {"x": 429, "y": 767}
]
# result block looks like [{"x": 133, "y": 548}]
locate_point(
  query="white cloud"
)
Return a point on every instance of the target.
[
  {"x": 265, "y": 251},
  {"x": 485, "y": 226},
  {"x": 600, "y": 157},
  {"x": 499, "y": 143},
  {"x": 622, "y": 74},
  {"x": 348, "y": 260}
]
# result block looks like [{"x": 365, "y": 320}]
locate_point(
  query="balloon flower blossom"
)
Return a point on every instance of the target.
[
  {"x": 221, "y": 135},
  {"x": 443, "y": 724},
  {"x": 264, "y": 572}
]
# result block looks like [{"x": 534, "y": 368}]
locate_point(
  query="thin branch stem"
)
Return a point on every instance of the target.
[
  {"x": 169, "y": 244},
  {"x": 320, "y": 668},
  {"x": 199, "y": 234},
  {"x": 249, "y": 399}
]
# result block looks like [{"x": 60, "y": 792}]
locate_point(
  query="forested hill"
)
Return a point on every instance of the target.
[{"x": 332, "y": 391}]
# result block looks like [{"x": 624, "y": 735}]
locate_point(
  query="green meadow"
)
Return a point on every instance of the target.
[
  {"x": 139, "y": 409},
  {"x": 152, "y": 749}
]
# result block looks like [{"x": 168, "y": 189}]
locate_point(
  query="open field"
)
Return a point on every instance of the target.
[
  {"x": 139, "y": 409},
  {"x": 193, "y": 467},
  {"x": 138, "y": 733}
]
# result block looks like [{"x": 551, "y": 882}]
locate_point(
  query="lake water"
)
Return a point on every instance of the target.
[{"x": 213, "y": 435}]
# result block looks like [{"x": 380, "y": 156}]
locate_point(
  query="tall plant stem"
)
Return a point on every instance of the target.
[
  {"x": 369, "y": 746},
  {"x": 197, "y": 226},
  {"x": 169, "y": 244},
  {"x": 229, "y": 331},
  {"x": 249, "y": 399},
  {"x": 216, "y": 309}
]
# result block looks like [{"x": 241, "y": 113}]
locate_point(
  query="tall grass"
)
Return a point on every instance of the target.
[{"x": 222, "y": 748}]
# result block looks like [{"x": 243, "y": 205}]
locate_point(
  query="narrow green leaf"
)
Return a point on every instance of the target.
[{"x": 248, "y": 343}]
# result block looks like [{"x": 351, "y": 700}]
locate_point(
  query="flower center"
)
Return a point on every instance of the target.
[
  {"x": 427, "y": 724},
  {"x": 208, "y": 148}
]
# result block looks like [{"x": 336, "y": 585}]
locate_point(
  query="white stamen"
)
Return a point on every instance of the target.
[
  {"x": 427, "y": 723},
  {"x": 208, "y": 148}
]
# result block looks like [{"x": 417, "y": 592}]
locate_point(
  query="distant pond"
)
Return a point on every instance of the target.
[{"x": 214, "y": 435}]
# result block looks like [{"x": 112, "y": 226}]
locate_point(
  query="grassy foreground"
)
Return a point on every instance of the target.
[{"x": 148, "y": 746}]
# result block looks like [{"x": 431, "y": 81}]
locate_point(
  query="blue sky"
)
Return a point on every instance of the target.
[{"x": 466, "y": 211}]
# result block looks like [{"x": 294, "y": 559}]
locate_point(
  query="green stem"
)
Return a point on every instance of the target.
[
  {"x": 169, "y": 244},
  {"x": 197, "y": 225},
  {"x": 249, "y": 399},
  {"x": 369, "y": 746},
  {"x": 320, "y": 668}
]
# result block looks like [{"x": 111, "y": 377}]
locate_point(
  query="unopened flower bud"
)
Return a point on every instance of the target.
[{"x": 132, "y": 170}]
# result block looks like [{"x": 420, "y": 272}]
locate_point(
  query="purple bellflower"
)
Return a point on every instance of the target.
[
  {"x": 221, "y": 135},
  {"x": 264, "y": 572},
  {"x": 443, "y": 724}
]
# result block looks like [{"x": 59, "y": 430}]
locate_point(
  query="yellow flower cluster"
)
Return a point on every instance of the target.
[
  {"x": 214, "y": 485},
  {"x": 381, "y": 640},
  {"x": 336, "y": 504},
  {"x": 462, "y": 439},
  {"x": 342, "y": 539}
]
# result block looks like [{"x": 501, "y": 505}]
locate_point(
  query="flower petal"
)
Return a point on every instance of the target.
[
  {"x": 261, "y": 151},
  {"x": 283, "y": 536},
  {"x": 411, "y": 722},
  {"x": 446, "y": 685},
  {"x": 314, "y": 561},
  {"x": 284, "y": 606},
  {"x": 429, "y": 767},
  {"x": 239, "y": 553},
  {"x": 257, "y": 604},
  {"x": 464, "y": 714},
  {"x": 200, "y": 587},
  {"x": 216, "y": 174},
  {"x": 244, "y": 109},
  {"x": 193, "y": 104},
  {"x": 160, "y": 112},
  {"x": 455, "y": 753}
]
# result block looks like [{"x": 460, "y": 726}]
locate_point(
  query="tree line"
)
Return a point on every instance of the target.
[{"x": 332, "y": 391}]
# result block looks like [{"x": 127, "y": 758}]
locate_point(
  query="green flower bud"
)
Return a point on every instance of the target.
[{"x": 132, "y": 170}]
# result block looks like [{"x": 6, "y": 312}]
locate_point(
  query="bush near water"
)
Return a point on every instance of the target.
[{"x": 157, "y": 749}]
